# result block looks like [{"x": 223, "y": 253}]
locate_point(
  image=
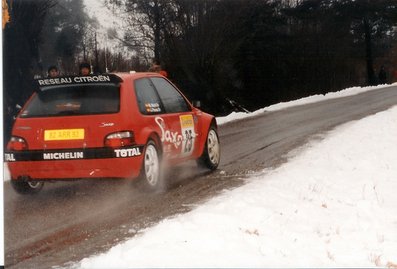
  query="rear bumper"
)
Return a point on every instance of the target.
[{"x": 75, "y": 163}]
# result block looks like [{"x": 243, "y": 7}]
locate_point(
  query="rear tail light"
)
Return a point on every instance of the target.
[
  {"x": 17, "y": 143},
  {"x": 120, "y": 139}
]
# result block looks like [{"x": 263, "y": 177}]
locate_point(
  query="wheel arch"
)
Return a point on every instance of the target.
[
  {"x": 208, "y": 122},
  {"x": 157, "y": 140}
]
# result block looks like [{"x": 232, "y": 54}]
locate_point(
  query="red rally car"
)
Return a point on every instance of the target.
[{"x": 107, "y": 126}]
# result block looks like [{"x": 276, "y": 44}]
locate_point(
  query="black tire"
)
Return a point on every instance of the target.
[
  {"x": 151, "y": 177},
  {"x": 27, "y": 187},
  {"x": 212, "y": 151}
]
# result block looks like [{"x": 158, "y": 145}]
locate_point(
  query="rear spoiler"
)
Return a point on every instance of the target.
[{"x": 43, "y": 83}]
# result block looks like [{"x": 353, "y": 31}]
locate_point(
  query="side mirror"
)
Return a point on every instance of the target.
[
  {"x": 16, "y": 112},
  {"x": 196, "y": 103}
]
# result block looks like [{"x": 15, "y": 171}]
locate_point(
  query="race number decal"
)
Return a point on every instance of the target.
[{"x": 187, "y": 128}]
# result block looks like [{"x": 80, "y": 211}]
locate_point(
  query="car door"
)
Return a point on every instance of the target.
[
  {"x": 155, "y": 116},
  {"x": 182, "y": 132}
]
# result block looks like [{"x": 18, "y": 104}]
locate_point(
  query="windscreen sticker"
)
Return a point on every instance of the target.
[{"x": 152, "y": 107}]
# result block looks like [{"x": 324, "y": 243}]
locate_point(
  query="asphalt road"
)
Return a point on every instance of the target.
[{"x": 68, "y": 221}]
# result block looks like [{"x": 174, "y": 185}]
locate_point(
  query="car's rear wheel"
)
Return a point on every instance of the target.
[
  {"x": 212, "y": 151},
  {"x": 151, "y": 175},
  {"x": 27, "y": 187}
]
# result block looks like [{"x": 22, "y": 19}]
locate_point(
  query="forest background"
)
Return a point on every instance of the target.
[{"x": 253, "y": 53}]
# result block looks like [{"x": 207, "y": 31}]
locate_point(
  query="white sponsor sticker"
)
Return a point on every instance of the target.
[{"x": 188, "y": 134}]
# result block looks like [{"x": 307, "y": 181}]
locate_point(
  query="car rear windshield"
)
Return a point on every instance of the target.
[{"x": 74, "y": 100}]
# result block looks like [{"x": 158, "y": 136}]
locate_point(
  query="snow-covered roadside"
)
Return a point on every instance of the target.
[
  {"x": 332, "y": 205},
  {"x": 307, "y": 100}
]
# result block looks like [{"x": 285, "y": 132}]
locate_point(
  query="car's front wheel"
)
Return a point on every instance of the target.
[
  {"x": 212, "y": 151},
  {"x": 151, "y": 168},
  {"x": 27, "y": 187}
]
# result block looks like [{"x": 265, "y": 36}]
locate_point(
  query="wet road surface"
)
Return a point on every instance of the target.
[{"x": 68, "y": 221}]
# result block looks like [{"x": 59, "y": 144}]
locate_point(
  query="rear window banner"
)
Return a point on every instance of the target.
[{"x": 78, "y": 80}]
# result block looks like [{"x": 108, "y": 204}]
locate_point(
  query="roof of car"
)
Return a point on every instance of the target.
[{"x": 135, "y": 75}]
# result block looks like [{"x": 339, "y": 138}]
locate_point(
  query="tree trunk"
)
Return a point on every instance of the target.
[
  {"x": 157, "y": 31},
  {"x": 371, "y": 80}
]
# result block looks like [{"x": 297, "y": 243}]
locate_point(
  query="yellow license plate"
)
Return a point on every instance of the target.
[{"x": 63, "y": 134}]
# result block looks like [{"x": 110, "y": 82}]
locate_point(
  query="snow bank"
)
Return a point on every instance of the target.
[
  {"x": 307, "y": 100},
  {"x": 333, "y": 205}
]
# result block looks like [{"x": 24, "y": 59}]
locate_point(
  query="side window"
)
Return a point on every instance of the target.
[
  {"x": 172, "y": 100},
  {"x": 148, "y": 100}
]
